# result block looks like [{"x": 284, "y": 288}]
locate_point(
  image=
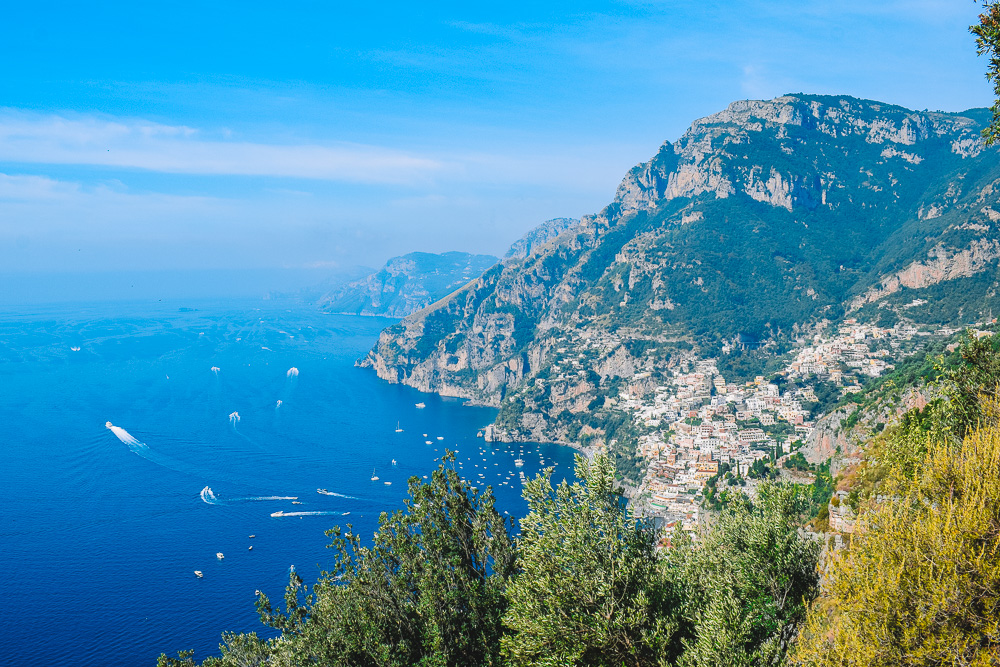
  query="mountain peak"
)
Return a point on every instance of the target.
[{"x": 752, "y": 149}]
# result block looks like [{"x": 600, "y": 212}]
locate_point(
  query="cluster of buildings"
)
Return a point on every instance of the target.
[{"x": 698, "y": 425}]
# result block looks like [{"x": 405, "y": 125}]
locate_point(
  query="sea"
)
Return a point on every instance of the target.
[{"x": 141, "y": 439}]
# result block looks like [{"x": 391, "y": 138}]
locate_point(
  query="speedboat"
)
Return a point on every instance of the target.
[
  {"x": 296, "y": 502},
  {"x": 323, "y": 491},
  {"x": 250, "y": 548},
  {"x": 440, "y": 437},
  {"x": 420, "y": 405},
  {"x": 198, "y": 574},
  {"x": 278, "y": 513},
  {"x": 252, "y": 536},
  {"x": 388, "y": 483},
  {"x": 219, "y": 555}
]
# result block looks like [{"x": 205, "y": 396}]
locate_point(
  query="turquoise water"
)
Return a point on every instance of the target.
[{"x": 102, "y": 529}]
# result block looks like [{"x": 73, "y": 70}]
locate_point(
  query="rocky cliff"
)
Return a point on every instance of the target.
[
  {"x": 406, "y": 284},
  {"x": 759, "y": 221}
]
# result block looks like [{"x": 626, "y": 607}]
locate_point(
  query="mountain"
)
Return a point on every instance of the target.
[
  {"x": 406, "y": 284},
  {"x": 734, "y": 242},
  {"x": 539, "y": 236}
]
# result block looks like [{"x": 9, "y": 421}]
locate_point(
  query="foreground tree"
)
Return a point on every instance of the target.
[
  {"x": 428, "y": 591},
  {"x": 987, "y": 33},
  {"x": 747, "y": 579},
  {"x": 589, "y": 590},
  {"x": 920, "y": 584}
]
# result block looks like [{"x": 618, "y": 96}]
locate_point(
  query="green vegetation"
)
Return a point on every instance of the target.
[
  {"x": 589, "y": 591},
  {"x": 748, "y": 580},
  {"x": 922, "y": 585},
  {"x": 988, "y": 43},
  {"x": 583, "y": 584}
]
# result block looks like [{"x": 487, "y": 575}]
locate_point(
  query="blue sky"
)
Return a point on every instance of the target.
[{"x": 217, "y": 135}]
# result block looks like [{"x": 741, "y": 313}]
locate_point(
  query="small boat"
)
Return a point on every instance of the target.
[
  {"x": 198, "y": 574},
  {"x": 388, "y": 483},
  {"x": 278, "y": 513},
  {"x": 323, "y": 491},
  {"x": 296, "y": 502},
  {"x": 394, "y": 462},
  {"x": 252, "y": 536},
  {"x": 440, "y": 437},
  {"x": 75, "y": 348},
  {"x": 420, "y": 405},
  {"x": 519, "y": 462},
  {"x": 250, "y": 548},
  {"x": 219, "y": 555},
  {"x": 428, "y": 442},
  {"x": 398, "y": 430},
  {"x": 374, "y": 476}
]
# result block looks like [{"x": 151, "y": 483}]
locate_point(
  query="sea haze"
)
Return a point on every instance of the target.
[{"x": 102, "y": 529}]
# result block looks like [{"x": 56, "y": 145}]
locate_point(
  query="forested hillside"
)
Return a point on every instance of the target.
[{"x": 760, "y": 222}]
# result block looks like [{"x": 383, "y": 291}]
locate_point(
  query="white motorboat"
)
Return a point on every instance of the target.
[
  {"x": 198, "y": 574},
  {"x": 219, "y": 555},
  {"x": 420, "y": 405}
]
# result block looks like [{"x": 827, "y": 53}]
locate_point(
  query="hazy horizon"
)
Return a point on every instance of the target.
[{"x": 137, "y": 140}]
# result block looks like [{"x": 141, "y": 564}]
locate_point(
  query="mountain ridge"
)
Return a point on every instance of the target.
[
  {"x": 756, "y": 224},
  {"x": 406, "y": 284}
]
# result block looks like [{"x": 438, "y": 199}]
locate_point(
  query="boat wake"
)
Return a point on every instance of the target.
[
  {"x": 338, "y": 495},
  {"x": 143, "y": 450},
  {"x": 209, "y": 497}
]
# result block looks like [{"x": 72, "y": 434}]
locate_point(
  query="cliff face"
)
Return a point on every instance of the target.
[
  {"x": 758, "y": 221},
  {"x": 406, "y": 284}
]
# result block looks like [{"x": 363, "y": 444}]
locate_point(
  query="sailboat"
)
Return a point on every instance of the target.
[
  {"x": 398, "y": 430},
  {"x": 374, "y": 476}
]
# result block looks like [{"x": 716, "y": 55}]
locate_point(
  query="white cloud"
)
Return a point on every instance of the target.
[
  {"x": 26, "y": 187},
  {"x": 33, "y": 138}
]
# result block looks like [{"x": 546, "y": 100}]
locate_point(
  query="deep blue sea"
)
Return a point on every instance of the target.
[{"x": 101, "y": 529}]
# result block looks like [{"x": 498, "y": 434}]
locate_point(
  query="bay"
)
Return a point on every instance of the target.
[{"x": 102, "y": 529}]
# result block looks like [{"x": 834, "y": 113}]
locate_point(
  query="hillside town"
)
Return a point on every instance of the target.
[{"x": 699, "y": 426}]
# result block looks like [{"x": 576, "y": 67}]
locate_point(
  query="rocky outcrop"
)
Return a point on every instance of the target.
[
  {"x": 539, "y": 236},
  {"x": 941, "y": 264},
  {"x": 832, "y": 439}
]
